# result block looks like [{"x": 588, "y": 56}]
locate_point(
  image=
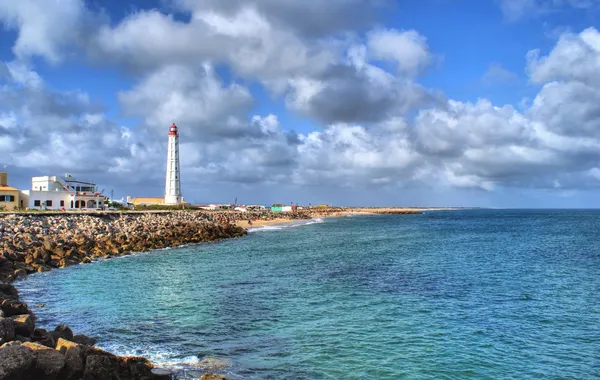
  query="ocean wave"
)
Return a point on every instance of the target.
[
  {"x": 315, "y": 221},
  {"x": 184, "y": 367},
  {"x": 163, "y": 358},
  {"x": 292, "y": 224}
]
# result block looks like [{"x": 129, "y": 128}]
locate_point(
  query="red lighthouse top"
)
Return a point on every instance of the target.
[{"x": 173, "y": 130}]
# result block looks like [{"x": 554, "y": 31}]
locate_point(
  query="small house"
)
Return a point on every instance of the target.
[{"x": 9, "y": 196}]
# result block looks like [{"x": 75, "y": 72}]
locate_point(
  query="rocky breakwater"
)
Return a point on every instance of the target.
[{"x": 39, "y": 242}]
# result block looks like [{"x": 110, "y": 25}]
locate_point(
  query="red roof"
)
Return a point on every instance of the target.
[{"x": 173, "y": 130}]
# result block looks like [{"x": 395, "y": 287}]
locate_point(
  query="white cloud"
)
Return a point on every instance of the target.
[
  {"x": 195, "y": 99},
  {"x": 576, "y": 57},
  {"x": 345, "y": 154},
  {"x": 243, "y": 40},
  {"x": 357, "y": 91},
  {"x": 45, "y": 129},
  {"x": 408, "y": 49},
  {"x": 308, "y": 19},
  {"x": 46, "y": 27}
]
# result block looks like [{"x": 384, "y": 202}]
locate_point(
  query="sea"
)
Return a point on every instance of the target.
[{"x": 466, "y": 294}]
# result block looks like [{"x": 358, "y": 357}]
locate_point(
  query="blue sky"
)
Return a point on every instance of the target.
[{"x": 434, "y": 102}]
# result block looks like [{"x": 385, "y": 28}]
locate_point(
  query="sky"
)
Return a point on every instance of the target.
[{"x": 491, "y": 103}]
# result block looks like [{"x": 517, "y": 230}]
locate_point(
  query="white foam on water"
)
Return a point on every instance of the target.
[
  {"x": 188, "y": 366},
  {"x": 160, "y": 358},
  {"x": 292, "y": 224},
  {"x": 315, "y": 221}
]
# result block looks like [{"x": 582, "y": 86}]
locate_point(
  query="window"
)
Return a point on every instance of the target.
[
  {"x": 37, "y": 203},
  {"x": 49, "y": 203},
  {"x": 62, "y": 203},
  {"x": 7, "y": 198}
]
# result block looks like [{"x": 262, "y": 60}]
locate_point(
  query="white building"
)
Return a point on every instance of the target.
[
  {"x": 62, "y": 193},
  {"x": 214, "y": 207},
  {"x": 173, "y": 183}
]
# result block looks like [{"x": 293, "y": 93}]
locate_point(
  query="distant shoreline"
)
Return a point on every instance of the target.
[{"x": 329, "y": 213}]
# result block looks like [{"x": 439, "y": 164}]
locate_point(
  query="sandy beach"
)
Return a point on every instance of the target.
[{"x": 261, "y": 223}]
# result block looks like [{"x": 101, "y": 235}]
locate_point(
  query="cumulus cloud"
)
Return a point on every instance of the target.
[
  {"x": 310, "y": 18},
  {"x": 352, "y": 155},
  {"x": 46, "y": 28},
  {"x": 576, "y": 57},
  {"x": 357, "y": 91},
  {"x": 245, "y": 40},
  {"x": 555, "y": 140},
  {"x": 408, "y": 49},
  {"x": 45, "y": 129},
  {"x": 196, "y": 98}
]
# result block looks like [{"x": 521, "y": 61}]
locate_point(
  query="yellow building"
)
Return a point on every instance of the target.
[
  {"x": 9, "y": 196},
  {"x": 147, "y": 201}
]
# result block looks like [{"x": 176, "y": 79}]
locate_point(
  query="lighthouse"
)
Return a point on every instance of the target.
[{"x": 173, "y": 185}]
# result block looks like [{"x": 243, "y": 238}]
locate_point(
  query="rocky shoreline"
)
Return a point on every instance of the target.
[{"x": 40, "y": 242}]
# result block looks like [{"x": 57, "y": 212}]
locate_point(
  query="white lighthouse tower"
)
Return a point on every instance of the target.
[{"x": 173, "y": 186}]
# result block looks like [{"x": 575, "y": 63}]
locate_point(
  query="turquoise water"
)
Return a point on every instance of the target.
[{"x": 445, "y": 295}]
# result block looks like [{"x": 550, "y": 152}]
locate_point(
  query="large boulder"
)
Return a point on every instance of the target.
[
  {"x": 8, "y": 291},
  {"x": 101, "y": 367},
  {"x": 104, "y": 366},
  {"x": 7, "y": 330},
  {"x": 49, "y": 363},
  {"x": 83, "y": 339},
  {"x": 24, "y": 324},
  {"x": 212, "y": 376},
  {"x": 16, "y": 363},
  {"x": 134, "y": 367},
  {"x": 74, "y": 358},
  {"x": 62, "y": 331},
  {"x": 41, "y": 336},
  {"x": 13, "y": 307}
]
